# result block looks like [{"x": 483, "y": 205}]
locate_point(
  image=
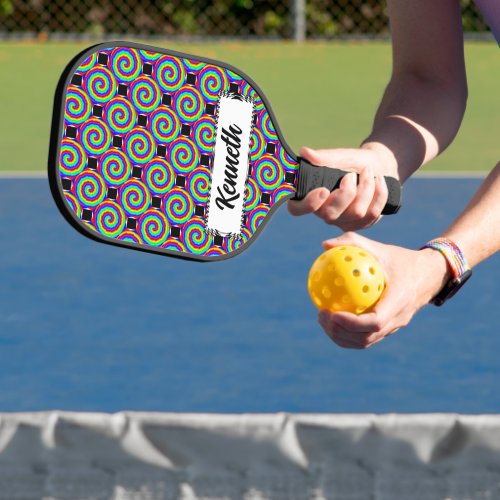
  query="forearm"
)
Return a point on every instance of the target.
[
  {"x": 424, "y": 103},
  {"x": 477, "y": 230},
  {"x": 416, "y": 120}
]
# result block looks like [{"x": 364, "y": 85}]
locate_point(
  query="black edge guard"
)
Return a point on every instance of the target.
[{"x": 311, "y": 177}]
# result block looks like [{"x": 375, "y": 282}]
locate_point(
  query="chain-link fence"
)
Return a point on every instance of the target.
[{"x": 205, "y": 18}]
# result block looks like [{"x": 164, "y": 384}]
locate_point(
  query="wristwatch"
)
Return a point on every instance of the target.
[{"x": 460, "y": 270}]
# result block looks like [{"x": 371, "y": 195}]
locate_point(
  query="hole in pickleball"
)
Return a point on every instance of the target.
[
  {"x": 362, "y": 254},
  {"x": 316, "y": 276},
  {"x": 366, "y": 289},
  {"x": 317, "y": 300},
  {"x": 379, "y": 288},
  {"x": 339, "y": 281},
  {"x": 327, "y": 293},
  {"x": 330, "y": 268},
  {"x": 359, "y": 310},
  {"x": 372, "y": 270},
  {"x": 346, "y": 299},
  {"x": 356, "y": 273},
  {"x": 348, "y": 258},
  {"x": 336, "y": 306}
]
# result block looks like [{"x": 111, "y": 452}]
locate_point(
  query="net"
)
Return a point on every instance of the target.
[{"x": 159, "y": 456}]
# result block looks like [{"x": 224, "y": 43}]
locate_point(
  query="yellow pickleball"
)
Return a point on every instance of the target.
[{"x": 346, "y": 278}]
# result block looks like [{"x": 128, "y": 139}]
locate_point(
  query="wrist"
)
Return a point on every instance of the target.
[
  {"x": 386, "y": 157},
  {"x": 437, "y": 272}
]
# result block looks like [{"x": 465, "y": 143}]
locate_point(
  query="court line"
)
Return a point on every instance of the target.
[
  {"x": 33, "y": 174},
  {"x": 452, "y": 174}
]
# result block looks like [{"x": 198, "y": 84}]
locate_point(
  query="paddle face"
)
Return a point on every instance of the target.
[{"x": 159, "y": 151}]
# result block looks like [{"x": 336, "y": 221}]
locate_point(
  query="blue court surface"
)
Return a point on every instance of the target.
[{"x": 91, "y": 327}]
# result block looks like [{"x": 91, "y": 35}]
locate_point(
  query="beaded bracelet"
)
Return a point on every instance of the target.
[{"x": 460, "y": 269}]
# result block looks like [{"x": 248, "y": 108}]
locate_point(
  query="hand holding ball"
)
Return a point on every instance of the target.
[{"x": 346, "y": 278}]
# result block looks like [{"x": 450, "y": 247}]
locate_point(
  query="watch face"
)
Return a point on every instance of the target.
[{"x": 451, "y": 288}]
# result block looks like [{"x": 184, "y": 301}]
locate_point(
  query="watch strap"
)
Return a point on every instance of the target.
[{"x": 457, "y": 263}]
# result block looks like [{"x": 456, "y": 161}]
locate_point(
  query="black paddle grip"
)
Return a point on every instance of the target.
[{"x": 311, "y": 177}]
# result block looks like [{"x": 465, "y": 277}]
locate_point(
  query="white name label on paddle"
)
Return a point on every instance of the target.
[{"x": 230, "y": 165}]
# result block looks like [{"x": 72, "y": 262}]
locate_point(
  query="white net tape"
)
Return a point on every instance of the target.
[{"x": 160, "y": 456}]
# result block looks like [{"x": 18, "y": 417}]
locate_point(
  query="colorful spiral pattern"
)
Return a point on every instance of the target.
[
  {"x": 232, "y": 244},
  {"x": 286, "y": 160},
  {"x": 252, "y": 194},
  {"x": 268, "y": 173},
  {"x": 95, "y": 136},
  {"x": 149, "y": 56},
  {"x": 194, "y": 236},
  {"x": 164, "y": 125},
  {"x": 120, "y": 115},
  {"x": 198, "y": 184},
  {"x": 178, "y": 206},
  {"x": 144, "y": 94},
  {"x": 257, "y": 145},
  {"x": 256, "y": 216},
  {"x": 89, "y": 188},
  {"x": 153, "y": 227},
  {"x": 170, "y": 73},
  {"x": 234, "y": 77},
  {"x": 125, "y": 64},
  {"x": 248, "y": 90},
  {"x": 87, "y": 63},
  {"x": 131, "y": 236},
  {"x": 109, "y": 218},
  {"x": 139, "y": 145},
  {"x": 159, "y": 176},
  {"x": 193, "y": 66},
  {"x": 72, "y": 159},
  {"x": 73, "y": 203},
  {"x": 183, "y": 155},
  {"x": 214, "y": 252},
  {"x": 282, "y": 192},
  {"x": 267, "y": 126},
  {"x": 159, "y": 148},
  {"x": 100, "y": 84},
  {"x": 78, "y": 106},
  {"x": 188, "y": 104},
  {"x": 204, "y": 133},
  {"x": 134, "y": 197},
  {"x": 115, "y": 167},
  {"x": 174, "y": 244},
  {"x": 211, "y": 81}
]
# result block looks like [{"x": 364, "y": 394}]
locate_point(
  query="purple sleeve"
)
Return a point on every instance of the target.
[{"x": 490, "y": 9}]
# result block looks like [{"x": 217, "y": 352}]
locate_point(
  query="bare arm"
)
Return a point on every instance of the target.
[
  {"x": 418, "y": 117},
  {"x": 424, "y": 102}
]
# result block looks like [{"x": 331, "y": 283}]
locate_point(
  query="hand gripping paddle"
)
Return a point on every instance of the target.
[{"x": 160, "y": 151}]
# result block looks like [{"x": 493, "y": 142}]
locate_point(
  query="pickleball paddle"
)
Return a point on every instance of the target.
[{"x": 166, "y": 152}]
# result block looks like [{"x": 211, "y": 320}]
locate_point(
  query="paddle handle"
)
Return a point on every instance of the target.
[{"x": 311, "y": 177}]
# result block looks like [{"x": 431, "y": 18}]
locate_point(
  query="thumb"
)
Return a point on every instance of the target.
[
  {"x": 349, "y": 238},
  {"x": 339, "y": 158}
]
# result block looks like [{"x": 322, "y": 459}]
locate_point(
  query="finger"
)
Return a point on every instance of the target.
[
  {"x": 362, "y": 324},
  {"x": 311, "y": 203},
  {"x": 380, "y": 196},
  {"x": 338, "y": 201},
  {"x": 338, "y": 334},
  {"x": 362, "y": 340},
  {"x": 358, "y": 208}
]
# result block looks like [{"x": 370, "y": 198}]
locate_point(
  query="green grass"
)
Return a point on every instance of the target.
[{"x": 323, "y": 94}]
